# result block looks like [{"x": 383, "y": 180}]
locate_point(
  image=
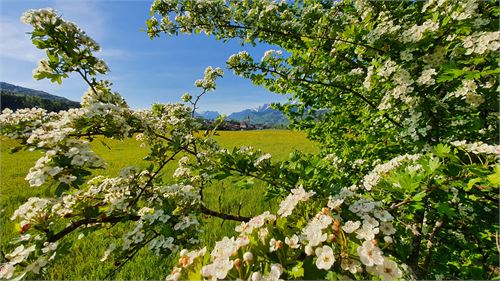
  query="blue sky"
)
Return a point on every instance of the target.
[{"x": 142, "y": 70}]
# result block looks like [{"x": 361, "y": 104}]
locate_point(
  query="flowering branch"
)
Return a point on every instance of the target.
[{"x": 76, "y": 224}]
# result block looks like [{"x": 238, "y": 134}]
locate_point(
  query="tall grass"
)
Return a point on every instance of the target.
[{"x": 83, "y": 260}]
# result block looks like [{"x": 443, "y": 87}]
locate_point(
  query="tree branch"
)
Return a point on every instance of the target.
[
  {"x": 76, "y": 224},
  {"x": 430, "y": 243},
  {"x": 153, "y": 176},
  {"x": 212, "y": 213},
  {"x": 367, "y": 101},
  {"x": 84, "y": 76},
  {"x": 195, "y": 103},
  {"x": 297, "y": 36},
  {"x": 415, "y": 244}
]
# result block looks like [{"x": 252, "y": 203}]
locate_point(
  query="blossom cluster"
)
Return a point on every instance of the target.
[
  {"x": 468, "y": 92},
  {"x": 480, "y": 42},
  {"x": 46, "y": 23},
  {"x": 114, "y": 197},
  {"x": 326, "y": 238},
  {"x": 289, "y": 203},
  {"x": 27, "y": 120},
  {"x": 208, "y": 82},
  {"x": 478, "y": 147},
  {"x": 371, "y": 179}
]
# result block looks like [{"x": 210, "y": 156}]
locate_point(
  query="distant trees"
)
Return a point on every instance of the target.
[{"x": 16, "y": 101}]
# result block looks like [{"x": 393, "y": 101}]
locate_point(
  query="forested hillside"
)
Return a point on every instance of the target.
[{"x": 16, "y": 97}]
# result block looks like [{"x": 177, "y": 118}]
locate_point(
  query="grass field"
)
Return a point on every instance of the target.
[{"x": 83, "y": 261}]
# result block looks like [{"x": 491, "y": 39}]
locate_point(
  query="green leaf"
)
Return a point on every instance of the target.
[
  {"x": 297, "y": 271},
  {"x": 91, "y": 212},
  {"x": 445, "y": 209},
  {"x": 442, "y": 150},
  {"x": 331, "y": 276},
  {"x": 419, "y": 196},
  {"x": 434, "y": 164},
  {"x": 494, "y": 178},
  {"x": 245, "y": 183},
  {"x": 444, "y": 78},
  {"x": 471, "y": 183},
  {"x": 221, "y": 175},
  {"x": 61, "y": 188}
]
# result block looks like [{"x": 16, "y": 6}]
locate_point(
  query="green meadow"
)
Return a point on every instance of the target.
[{"x": 83, "y": 260}]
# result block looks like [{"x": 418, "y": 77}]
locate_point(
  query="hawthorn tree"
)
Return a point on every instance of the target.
[
  {"x": 401, "y": 95},
  {"x": 369, "y": 80}
]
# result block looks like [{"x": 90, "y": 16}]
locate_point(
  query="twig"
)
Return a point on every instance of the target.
[
  {"x": 195, "y": 103},
  {"x": 497, "y": 240},
  {"x": 437, "y": 226},
  {"x": 153, "y": 176},
  {"x": 131, "y": 256},
  {"x": 209, "y": 212},
  {"x": 366, "y": 100},
  {"x": 415, "y": 244}
]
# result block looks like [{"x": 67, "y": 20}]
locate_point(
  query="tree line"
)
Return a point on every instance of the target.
[{"x": 16, "y": 101}]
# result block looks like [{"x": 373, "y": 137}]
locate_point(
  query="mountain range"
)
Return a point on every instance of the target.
[{"x": 261, "y": 115}]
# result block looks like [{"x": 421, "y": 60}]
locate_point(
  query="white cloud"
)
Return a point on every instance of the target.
[
  {"x": 86, "y": 14},
  {"x": 15, "y": 43}
]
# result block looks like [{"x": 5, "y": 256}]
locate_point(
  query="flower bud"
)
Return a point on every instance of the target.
[
  {"x": 256, "y": 276},
  {"x": 388, "y": 239},
  {"x": 279, "y": 244},
  {"x": 248, "y": 257},
  {"x": 237, "y": 263},
  {"x": 336, "y": 226},
  {"x": 332, "y": 238},
  {"x": 186, "y": 97},
  {"x": 309, "y": 250},
  {"x": 184, "y": 261}
]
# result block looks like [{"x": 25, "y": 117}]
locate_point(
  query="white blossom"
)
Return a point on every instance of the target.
[
  {"x": 351, "y": 226},
  {"x": 292, "y": 242},
  {"x": 288, "y": 204},
  {"x": 350, "y": 265},
  {"x": 369, "y": 254},
  {"x": 426, "y": 77},
  {"x": 388, "y": 270},
  {"x": 367, "y": 232},
  {"x": 325, "y": 257}
]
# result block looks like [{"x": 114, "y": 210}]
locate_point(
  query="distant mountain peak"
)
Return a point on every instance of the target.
[
  {"x": 263, "y": 114},
  {"x": 263, "y": 107},
  {"x": 209, "y": 115}
]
